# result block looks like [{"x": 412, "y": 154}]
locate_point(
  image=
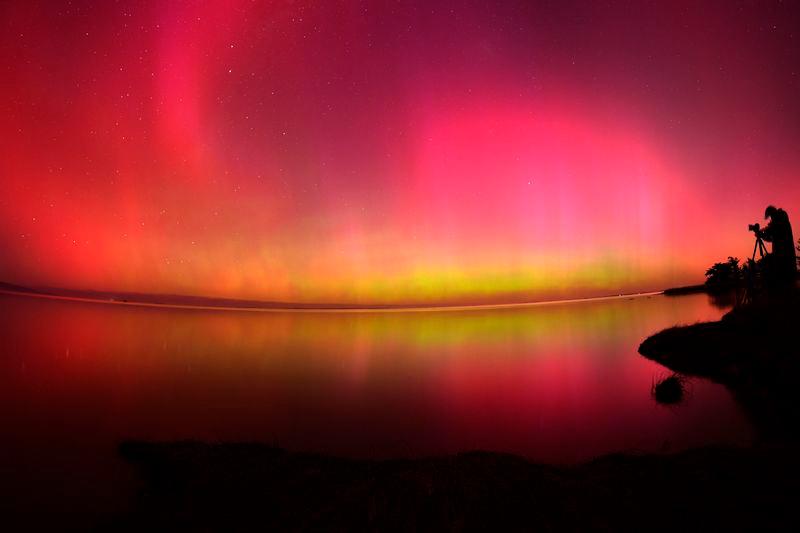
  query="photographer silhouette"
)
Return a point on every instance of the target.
[{"x": 783, "y": 262}]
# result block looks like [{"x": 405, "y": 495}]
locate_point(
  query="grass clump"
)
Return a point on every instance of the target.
[{"x": 670, "y": 390}]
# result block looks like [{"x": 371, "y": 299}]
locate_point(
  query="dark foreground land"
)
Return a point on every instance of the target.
[
  {"x": 754, "y": 351},
  {"x": 248, "y": 487}
]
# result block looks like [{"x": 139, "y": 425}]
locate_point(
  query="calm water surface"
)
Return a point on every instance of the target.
[{"x": 556, "y": 383}]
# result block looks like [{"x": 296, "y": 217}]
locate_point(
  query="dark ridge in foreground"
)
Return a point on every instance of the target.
[{"x": 191, "y": 486}]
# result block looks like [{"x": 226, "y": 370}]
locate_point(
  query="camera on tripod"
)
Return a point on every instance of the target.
[{"x": 759, "y": 246}]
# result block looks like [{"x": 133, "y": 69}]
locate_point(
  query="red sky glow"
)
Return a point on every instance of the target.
[{"x": 391, "y": 152}]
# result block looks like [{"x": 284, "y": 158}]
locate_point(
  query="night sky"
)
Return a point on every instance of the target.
[{"x": 391, "y": 152}]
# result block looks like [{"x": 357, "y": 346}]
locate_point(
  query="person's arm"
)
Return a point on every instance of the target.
[{"x": 768, "y": 233}]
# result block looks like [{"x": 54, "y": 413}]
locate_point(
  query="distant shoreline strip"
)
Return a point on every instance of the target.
[{"x": 290, "y": 309}]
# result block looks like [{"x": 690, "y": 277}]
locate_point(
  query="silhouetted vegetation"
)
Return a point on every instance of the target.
[
  {"x": 725, "y": 276},
  {"x": 669, "y": 390}
]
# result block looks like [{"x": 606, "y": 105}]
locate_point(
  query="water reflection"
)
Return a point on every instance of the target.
[
  {"x": 723, "y": 300},
  {"x": 556, "y": 383}
]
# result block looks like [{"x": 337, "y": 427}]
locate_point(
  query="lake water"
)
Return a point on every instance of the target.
[{"x": 556, "y": 383}]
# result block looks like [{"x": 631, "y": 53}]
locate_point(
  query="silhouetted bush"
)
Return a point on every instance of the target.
[
  {"x": 669, "y": 390},
  {"x": 724, "y": 276}
]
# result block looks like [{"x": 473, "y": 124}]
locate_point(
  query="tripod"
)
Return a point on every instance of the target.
[
  {"x": 759, "y": 247},
  {"x": 752, "y": 288}
]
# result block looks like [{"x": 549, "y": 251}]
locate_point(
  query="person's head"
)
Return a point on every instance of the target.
[{"x": 770, "y": 212}]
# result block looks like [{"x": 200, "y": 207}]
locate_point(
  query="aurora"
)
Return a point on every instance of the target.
[{"x": 354, "y": 152}]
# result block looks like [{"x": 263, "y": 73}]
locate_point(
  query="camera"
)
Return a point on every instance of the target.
[{"x": 755, "y": 228}]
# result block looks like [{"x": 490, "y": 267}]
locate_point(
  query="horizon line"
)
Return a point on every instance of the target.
[{"x": 297, "y": 307}]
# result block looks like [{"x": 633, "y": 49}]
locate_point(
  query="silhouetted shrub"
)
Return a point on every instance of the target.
[
  {"x": 669, "y": 390},
  {"x": 724, "y": 276}
]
